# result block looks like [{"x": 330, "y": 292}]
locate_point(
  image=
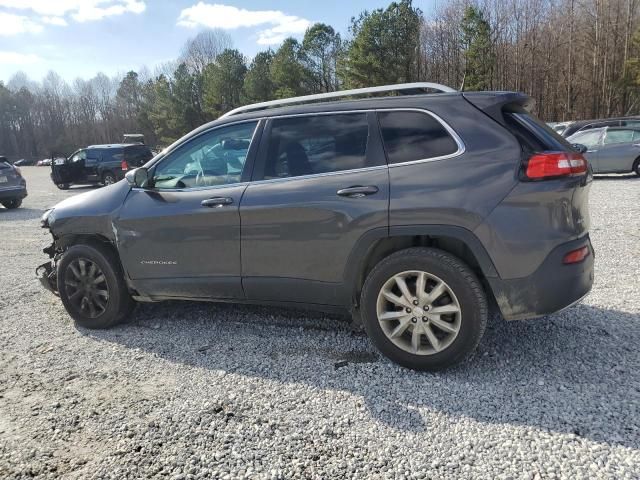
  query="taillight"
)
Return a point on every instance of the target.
[
  {"x": 124, "y": 165},
  {"x": 576, "y": 256},
  {"x": 555, "y": 164},
  {"x": 18, "y": 171}
]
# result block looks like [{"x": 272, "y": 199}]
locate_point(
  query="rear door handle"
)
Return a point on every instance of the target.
[
  {"x": 216, "y": 202},
  {"x": 358, "y": 191}
]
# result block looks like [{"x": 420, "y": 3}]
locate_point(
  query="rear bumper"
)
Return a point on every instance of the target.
[
  {"x": 17, "y": 191},
  {"x": 551, "y": 288}
]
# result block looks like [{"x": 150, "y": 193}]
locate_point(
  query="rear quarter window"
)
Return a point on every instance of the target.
[
  {"x": 533, "y": 135},
  {"x": 411, "y": 136},
  {"x": 138, "y": 155}
]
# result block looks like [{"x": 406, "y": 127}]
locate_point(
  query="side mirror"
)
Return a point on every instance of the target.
[
  {"x": 580, "y": 148},
  {"x": 138, "y": 177}
]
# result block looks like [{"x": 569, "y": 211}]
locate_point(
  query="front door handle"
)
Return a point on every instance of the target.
[
  {"x": 358, "y": 191},
  {"x": 216, "y": 202}
]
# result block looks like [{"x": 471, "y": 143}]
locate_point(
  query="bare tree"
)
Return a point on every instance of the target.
[{"x": 204, "y": 48}]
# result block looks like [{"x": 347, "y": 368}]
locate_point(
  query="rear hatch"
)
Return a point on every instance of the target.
[
  {"x": 549, "y": 204},
  {"x": 9, "y": 177}
]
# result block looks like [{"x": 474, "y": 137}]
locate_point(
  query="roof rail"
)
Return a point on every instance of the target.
[{"x": 342, "y": 93}]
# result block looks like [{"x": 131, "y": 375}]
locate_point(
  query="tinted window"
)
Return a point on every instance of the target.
[
  {"x": 93, "y": 154},
  {"x": 113, "y": 155},
  {"x": 618, "y": 136},
  {"x": 213, "y": 158},
  {"x": 589, "y": 139},
  {"x": 316, "y": 144},
  {"x": 138, "y": 155},
  {"x": 412, "y": 136}
]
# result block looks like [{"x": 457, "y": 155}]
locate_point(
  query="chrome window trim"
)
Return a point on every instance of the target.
[{"x": 461, "y": 147}]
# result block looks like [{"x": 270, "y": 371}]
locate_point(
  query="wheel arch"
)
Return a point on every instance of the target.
[{"x": 379, "y": 243}]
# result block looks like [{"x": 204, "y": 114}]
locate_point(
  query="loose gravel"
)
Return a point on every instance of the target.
[{"x": 189, "y": 390}]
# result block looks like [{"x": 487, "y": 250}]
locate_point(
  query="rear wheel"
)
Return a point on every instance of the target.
[
  {"x": 636, "y": 167},
  {"x": 92, "y": 287},
  {"x": 62, "y": 186},
  {"x": 13, "y": 203},
  {"x": 424, "y": 308},
  {"x": 108, "y": 178}
]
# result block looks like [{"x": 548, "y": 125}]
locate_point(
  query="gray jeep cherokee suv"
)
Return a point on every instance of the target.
[{"x": 414, "y": 212}]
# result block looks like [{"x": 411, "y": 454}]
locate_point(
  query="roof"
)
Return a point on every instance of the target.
[{"x": 116, "y": 145}]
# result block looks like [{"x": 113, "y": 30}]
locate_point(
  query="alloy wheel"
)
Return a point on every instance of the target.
[
  {"x": 418, "y": 312},
  {"x": 86, "y": 287}
]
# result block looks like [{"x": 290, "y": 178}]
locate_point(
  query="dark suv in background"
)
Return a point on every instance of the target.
[
  {"x": 415, "y": 212},
  {"x": 104, "y": 164}
]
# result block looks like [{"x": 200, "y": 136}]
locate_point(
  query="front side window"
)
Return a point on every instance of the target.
[
  {"x": 316, "y": 144},
  {"x": 410, "y": 136},
  {"x": 589, "y": 138},
  {"x": 214, "y": 158},
  {"x": 78, "y": 156},
  {"x": 618, "y": 136}
]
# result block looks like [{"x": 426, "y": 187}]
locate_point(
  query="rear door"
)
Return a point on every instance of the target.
[
  {"x": 618, "y": 151},
  {"x": 320, "y": 184},
  {"x": 92, "y": 164}
]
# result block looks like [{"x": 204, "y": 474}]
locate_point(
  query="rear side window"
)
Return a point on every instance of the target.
[
  {"x": 113, "y": 155},
  {"x": 138, "y": 155},
  {"x": 93, "y": 154},
  {"x": 410, "y": 136},
  {"x": 533, "y": 135},
  {"x": 618, "y": 136},
  {"x": 317, "y": 144}
]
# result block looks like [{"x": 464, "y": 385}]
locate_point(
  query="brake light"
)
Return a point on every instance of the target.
[
  {"x": 555, "y": 164},
  {"x": 18, "y": 171},
  {"x": 576, "y": 256},
  {"x": 124, "y": 165}
]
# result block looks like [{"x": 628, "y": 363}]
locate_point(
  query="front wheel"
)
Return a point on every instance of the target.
[
  {"x": 13, "y": 203},
  {"x": 636, "y": 167},
  {"x": 92, "y": 286},
  {"x": 62, "y": 186},
  {"x": 424, "y": 309}
]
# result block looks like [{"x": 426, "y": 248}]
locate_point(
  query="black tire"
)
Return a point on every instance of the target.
[
  {"x": 636, "y": 167},
  {"x": 119, "y": 303},
  {"x": 13, "y": 203},
  {"x": 466, "y": 288},
  {"x": 108, "y": 178},
  {"x": 62, "y": 186}
]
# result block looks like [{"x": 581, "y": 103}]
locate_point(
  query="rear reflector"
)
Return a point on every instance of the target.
[
  {"x": 576, "y": 256},
  {"x": 555, "y": 164},
  {"x": 124, "y": 165}
]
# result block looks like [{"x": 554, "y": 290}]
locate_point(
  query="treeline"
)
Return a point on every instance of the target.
[{"x": 577, "y": 59}]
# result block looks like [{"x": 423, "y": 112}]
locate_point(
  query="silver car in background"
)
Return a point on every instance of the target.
[{"x": 611, "y": 149}]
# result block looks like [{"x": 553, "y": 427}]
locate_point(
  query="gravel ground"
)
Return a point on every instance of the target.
[{"x": 220, "y": 391}]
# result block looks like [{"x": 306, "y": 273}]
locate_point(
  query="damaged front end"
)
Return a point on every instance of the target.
[{"x": 46, "y": 272}]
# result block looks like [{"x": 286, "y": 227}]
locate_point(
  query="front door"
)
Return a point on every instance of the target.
[
  {"x": 69, "y": 170},
  {"x": 180, "y": 237},
  {"x": 319, "y": 185}
]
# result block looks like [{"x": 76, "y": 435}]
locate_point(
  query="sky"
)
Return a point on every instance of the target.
[{"x": 79, "y": 38}]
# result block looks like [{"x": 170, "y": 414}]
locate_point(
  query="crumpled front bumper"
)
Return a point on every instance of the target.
[{"x": 46, "y": 272}]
